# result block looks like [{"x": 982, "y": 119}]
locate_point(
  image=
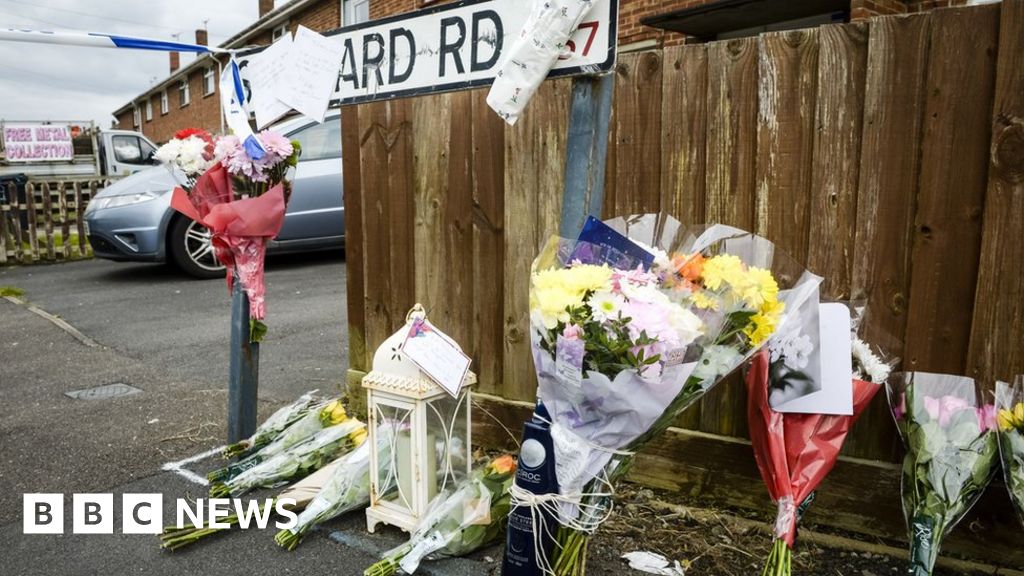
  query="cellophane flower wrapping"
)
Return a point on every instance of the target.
[
  {"x": 952, "y": 453},
  {"x": 650, "y": 341},
  {"x": 272, "y": 428},
  {"x": 459, "y": 521},
  {"x": 347, "y": 489},
  {"x": 796, "y": 451},
  {"x": 319, "y": 416},
  {"x": 1010, "y": 420}
]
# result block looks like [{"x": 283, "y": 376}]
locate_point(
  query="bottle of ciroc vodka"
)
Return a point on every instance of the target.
[{"x": 535, "y": 473}]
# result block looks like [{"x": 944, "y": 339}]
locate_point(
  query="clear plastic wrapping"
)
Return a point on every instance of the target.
[{"x": 1010, "y": 420}]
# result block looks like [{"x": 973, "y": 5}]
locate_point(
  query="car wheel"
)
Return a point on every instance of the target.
[{"x": 191, "y": 249}]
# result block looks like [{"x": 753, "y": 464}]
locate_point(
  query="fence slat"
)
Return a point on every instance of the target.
[
  {"x": 48, "y": 221},
  {"x": 951, "y": 197},
  {"x": 33, "y": 235},
  {"x": 551, "y": 138},
  {"x": 80, "y": 219},
  {"x": 732, "y": 163},
  {"x": 5, "y": 212},
  {"x": 889, "y": 168},
  {"x": 842, "y": 65},
  {"x": 787, "y": 88},
  {"x": 683, "y": 131},
  {"x": 65, "y": 223},
  {"x": 638, "y": 98},
  {"x": 457, "y": 203},
  {"x": 998, "y": 329},
  {"x": 355, "y": 254},
  {"x": 488, "y": 242}
]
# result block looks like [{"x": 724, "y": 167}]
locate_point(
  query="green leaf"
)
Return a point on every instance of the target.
[{"x": 257, "y": 330}]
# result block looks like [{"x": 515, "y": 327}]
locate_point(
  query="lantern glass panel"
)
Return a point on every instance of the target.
[
  {"x": 394, "y": 422},
  {"x": 447, "y": 430}
]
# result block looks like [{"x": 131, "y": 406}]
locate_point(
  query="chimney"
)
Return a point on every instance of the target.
[
  {"x": 265, "y": 7},
  {"x": 202, "y": 38},
  {"x": 175, "y": 61}
]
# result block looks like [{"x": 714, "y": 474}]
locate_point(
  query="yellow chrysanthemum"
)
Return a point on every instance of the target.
[
  {"x": 704, "y": 302},
  {"x": 722, "y": 269},
  {"x": 760, "y": 328},
  {"x": 358, "y": 437},
  {"x": 1006, "y": 420},
  {"x": 760, "y": 287},
  {"x": 556, "y": 289}
]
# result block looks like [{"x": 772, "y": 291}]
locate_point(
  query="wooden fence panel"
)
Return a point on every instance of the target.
[
  {"x": 839, "y": 113},
  {"x": 889, "y": 168},
  {"x": 997, "y": 335},
  {"x": 732, "y": 144},
  {"x": 638, "y": 103},
  {"x": 51, "y": 209},
  {"x": 951, "y": 194},
  {"x": 683, "y": 129}
]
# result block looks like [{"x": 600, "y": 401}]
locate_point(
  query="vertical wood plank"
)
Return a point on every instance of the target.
[
  {"x": 48, "y": 220},
  {"x": 33, "y": 235},
  {"x": 374, "y": 171},
  {"x": 889, "y": 168},
  {"x": 839, "y": 115},
  {"x": 458, "y": 223},
  {"x": 732, "y": 161},
  {"x": 488, "y": 242},
  {"x": 398, "y": 135},
  {"x": 684, "y": 128},
  {"x": 552, "y": 108},
  {"x": 20, "y": 252},
  {"x": 951, "y": 197},
  {"x": 65, "y": 223},
  {"x": 638, "y": 99},
  {"x": 355, "y": 264},
  {"x": 732, "y": 132},
  {"x": 5, "y": 211},
  {"x": 80, "y": 219},
  {"x": 431, "y": 142},
  {"x": 787, "y": 89},
  {"x": 996, "y": 349}
]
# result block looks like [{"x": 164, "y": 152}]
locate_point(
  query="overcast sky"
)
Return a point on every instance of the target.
[{"x": 40, "y": 82}]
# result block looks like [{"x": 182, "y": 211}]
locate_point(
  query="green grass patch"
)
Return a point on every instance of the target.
[{"x": 11, "y": 291}]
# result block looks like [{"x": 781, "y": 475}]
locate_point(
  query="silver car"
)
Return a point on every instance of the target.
[{"x": 131, "y": 220}]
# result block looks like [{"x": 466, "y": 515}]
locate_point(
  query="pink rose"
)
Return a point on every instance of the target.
[
  {"x": 987, "y": 418},
  {"x": 942, "y": 409},
  {"x": 572, "y": 332}
]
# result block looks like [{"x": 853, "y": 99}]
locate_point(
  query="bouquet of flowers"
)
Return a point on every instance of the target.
[
  {"x": 951, "y": 455},
  {"x": 241, "y": 199},
  {"x": 302, "y": 492},
  {"x": 272, "y": 427},
  {"x": 187, "y": 155},
  {"x": 457, "y": 523},
  {"x": 795, "y": 451},
  {"x": 295, "y": 462},
  {"x": 1010, "y": 401},
  {"x": 347, "y": 489},
  {"x": 624, "y": 341},
  {"x": 313, "y": 420}
]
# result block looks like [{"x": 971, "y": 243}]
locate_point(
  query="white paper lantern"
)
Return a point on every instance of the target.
[{"x": 430, "y": 437}]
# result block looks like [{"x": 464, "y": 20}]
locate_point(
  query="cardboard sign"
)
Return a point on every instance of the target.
[
  {"x": 38, "y": 143},
  {"x": 450, "y": 47},
  {"x": 437, "y": 355}
]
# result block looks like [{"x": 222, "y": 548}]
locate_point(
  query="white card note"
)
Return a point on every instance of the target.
[
  {"x": 311, "y": 73},
  {"x": 264, "y": 73},
  {"x": 836, "y": 393},
  {"x": 437, "y": 355}
]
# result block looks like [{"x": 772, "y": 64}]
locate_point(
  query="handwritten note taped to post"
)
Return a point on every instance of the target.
[
  {"x": 311, "y": 73},
  {"x": 264, "y": 74},
  {"x": 437, "y": 355}
]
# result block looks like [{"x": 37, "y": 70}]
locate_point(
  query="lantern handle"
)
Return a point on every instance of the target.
[{"x": 416, "y": 313}]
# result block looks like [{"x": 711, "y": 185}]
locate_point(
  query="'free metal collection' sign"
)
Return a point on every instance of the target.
[{"x": 453, "y": 47}]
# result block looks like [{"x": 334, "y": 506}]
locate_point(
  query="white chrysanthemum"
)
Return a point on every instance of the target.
[
  {"x": 191, "y": 155},
  {"x": 168, "y": 153},
  {"x": 605, "y": 306},
  {"x": 661, "y": 259},
  {"x": 716, "y": 361},
  {"x": 687, "y": 325},
  {"x": 867, "y": 365}
]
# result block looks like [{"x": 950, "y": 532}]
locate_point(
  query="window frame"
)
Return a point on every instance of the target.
[
  {"x": 278, "y": 31},
  {"x": 136, "y": 116},
  {"x": 138, "y": 146},
  {"x": 209, "y": 82},
  {"x": 149, "y": 109},
  {"x": 184, "y": 93},
  {"x": 165, "y": 102},
  {"x": 306, "y": 150}
]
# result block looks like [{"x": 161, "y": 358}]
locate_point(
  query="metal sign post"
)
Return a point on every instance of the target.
[
  {"x": 243, "y": 376},
  {"x": 587, "y": 151}
]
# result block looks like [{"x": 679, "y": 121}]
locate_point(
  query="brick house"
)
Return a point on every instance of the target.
[{"x": 188, "y": 96}]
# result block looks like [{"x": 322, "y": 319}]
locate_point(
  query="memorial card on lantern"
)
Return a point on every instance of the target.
[{"x": 437, "y": 355}]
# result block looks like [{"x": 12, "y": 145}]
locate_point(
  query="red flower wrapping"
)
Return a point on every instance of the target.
[
  {"x": 240, "y": 228},
  {"x": 795, "y": 452}
]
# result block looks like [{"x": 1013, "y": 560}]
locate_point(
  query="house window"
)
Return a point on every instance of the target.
[
  {"x": 136, "y": 117},
  {"x": 149, "y": 110},
  {"x": 355, "y": 12},
  {"x": 164, "y": 105},
  {"x": 279, "y": 31},
  {"x": 183, "y": 94},
  {"x": 209, "y": 82}
]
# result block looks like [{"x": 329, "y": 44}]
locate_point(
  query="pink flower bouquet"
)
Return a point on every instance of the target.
[{"x": 951, "y": 457}]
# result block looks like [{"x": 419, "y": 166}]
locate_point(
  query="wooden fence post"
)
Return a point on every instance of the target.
[
  {"x": 33, "y": 237},
  {"x": 5, "y": 208},
  {"x": 587, "y": 153}
]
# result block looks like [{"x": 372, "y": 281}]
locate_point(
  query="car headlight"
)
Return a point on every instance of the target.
[{"x": 122, "y": 200}]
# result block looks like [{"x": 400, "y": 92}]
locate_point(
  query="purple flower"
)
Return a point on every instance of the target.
[
  {"x": 276, "y": 144},
  {"x": 572, "y": 332},
  {"x": 987, "y": 418}
]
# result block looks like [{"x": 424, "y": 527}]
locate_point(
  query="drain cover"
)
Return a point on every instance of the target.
[{"x": 104, "y": 392}]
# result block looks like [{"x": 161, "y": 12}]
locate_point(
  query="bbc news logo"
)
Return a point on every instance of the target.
[{"x": 144, "y": 513}]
